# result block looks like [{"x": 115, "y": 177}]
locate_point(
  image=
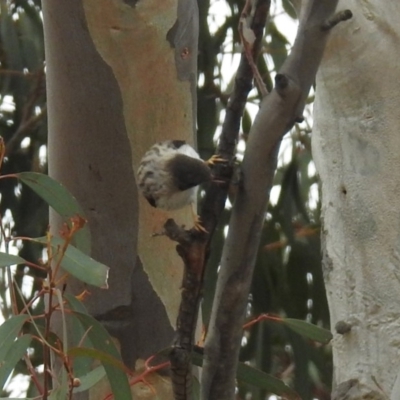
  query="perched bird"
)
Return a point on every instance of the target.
[{"x": 170, "y": 173}]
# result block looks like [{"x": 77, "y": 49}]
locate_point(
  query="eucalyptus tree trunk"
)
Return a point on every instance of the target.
[
  {"x": 356, "y": 145},
  {"x": 118, "y": 81}
]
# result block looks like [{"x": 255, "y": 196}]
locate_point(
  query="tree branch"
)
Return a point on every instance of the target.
[
  {"x": 278, "y": 113},
  {"x": 193, "y": 246}
]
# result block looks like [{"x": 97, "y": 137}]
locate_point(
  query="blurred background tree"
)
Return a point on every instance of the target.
[
  {"x": 288, "y": 276},
  {"x": 24, "y": 129}
]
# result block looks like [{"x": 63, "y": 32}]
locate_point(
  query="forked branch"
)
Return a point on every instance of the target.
[{"x": 278, "y": 112}]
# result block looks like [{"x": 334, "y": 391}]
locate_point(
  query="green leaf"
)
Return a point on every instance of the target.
[
  {"x": 60, "y": 392},
  {"x": 75, "y": 304},
  {"x": 79, "y": 264},
  {"x": 82, "y": 366},
  {"x": 14, "y": 353},
  {"x": 262, "y": 380},
  {"x": 90, "y": 379},
  {"x": 103, "y": 342},
  {"x": 308, "y": 330},
  {"x": 9, "y": 331},
  {"x": 257, "y": 378},
  {"x": 60, "y": 199},
  {"x": 97, "y": 355},
  {"x": 9, "y": 259}
]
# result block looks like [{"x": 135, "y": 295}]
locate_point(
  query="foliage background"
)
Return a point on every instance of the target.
[{"x": 288, "y": 276}]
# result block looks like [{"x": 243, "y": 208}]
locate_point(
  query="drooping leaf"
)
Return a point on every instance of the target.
[
  {"x": 79, "y": 264},
  {"x": 60, "y": 392},
  {"x": 14, "y": 353},
  {"x": 90, "y": 379},
  {"x": 60, "y": 199},
  {"x": 262, "y": 380},
  {"x": 75, "y": 304},
  {"x": 96, "y": 354},
  {"x": 308, "y": 330},
  {"x": 102, "y": 341},
  {"x": 82, "y": 365},
  {"x": 9, "y": 331},
  {"x": 10, "y": 259}
]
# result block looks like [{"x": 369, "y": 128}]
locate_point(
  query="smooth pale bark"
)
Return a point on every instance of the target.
[
  {"x": 356, "y": 147},
  {"x": 151, "y": 48}
]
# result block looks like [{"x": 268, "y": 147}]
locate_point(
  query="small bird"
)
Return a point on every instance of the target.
[{"x": 170, "y": 173}]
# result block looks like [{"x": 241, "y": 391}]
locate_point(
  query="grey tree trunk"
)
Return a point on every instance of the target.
[
  {"x": 356, "y": 146},
  {"x": 90, "y": 153}
]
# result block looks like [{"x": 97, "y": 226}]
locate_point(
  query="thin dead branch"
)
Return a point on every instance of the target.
[{"x": 248, "y": 37}]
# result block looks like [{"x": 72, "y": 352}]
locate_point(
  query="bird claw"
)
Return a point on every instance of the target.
[
  {"x": 215, "y": 159},
  {"x": 198, "y": 226}
]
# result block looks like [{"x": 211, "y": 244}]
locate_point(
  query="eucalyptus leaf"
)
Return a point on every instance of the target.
[
  {"x": 104, "y": 343},
  {"x": 10, "y": 259},
  {"x": 79, "y": 264},
  {"x": 13, "y": 355},
  {"x": 60, "y": 199},
  {"x": 90, "y": 379},
  {"x": 308, "y": 330},
  {"x": 9, "y": 331}
]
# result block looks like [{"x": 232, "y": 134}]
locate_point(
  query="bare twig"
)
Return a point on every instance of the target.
[
  {"x": 335, "y": 19},
  {"x": 278, "y": 113},
  {"x": 248, "y": 37}
]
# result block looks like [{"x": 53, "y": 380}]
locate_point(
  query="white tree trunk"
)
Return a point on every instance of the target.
[{"x": 356, "y": 145}]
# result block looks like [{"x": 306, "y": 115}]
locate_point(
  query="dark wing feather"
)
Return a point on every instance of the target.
[{"x": 188, "y": 172}]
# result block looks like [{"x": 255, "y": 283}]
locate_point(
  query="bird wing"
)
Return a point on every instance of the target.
[{"x": 188, "y": 172}]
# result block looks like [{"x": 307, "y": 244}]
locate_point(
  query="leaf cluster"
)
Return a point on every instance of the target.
[{"x": 23, "y": 330}]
